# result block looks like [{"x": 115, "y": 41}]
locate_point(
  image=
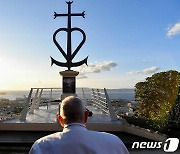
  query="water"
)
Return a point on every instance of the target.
[
  {"x": 12, "y": 95},
  {"x": 127, "y": 94}
]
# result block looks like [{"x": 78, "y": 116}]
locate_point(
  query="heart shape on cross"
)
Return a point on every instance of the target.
[{"x": 66, "y": 56}]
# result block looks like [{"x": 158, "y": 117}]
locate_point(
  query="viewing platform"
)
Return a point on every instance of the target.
[
  {"x": 39, "y": 118},
  {"x": 42, "y": 108}
]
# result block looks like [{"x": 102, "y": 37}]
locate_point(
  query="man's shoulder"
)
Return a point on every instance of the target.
[
  {"x": 104, "y": 135},
  {"x": 50, "y": 137},
  {"x": 112, "y": 141},
  {"x": 43, "y": 144}
]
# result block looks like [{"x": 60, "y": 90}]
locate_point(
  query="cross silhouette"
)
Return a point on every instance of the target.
[{"x": 69, "y": 56}]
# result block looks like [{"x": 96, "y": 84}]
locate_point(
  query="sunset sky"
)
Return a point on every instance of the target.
[{"x": 127, "y": 41}]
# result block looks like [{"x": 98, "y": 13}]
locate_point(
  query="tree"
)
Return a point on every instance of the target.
[
  {"x": 175, "y": 112},
  {"x": 157, "y": 96}
]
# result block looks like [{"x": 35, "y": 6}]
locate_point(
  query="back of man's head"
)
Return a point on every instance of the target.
[{"x": 72, "y": 110}]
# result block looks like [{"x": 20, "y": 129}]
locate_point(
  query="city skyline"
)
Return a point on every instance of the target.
[{"x": 127, "y": 41}]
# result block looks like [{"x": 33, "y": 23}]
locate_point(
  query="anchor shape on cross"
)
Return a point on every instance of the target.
[{"x": 69, "y": 56}]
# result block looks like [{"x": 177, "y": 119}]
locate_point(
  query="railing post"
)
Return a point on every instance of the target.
[
  {"x": 26, "y": 106},
  {"x": 83, "y": 94},
  {"x": 39, "y": 99},
  {"x": 94, "y": 96},
  {"x": 50, "y": 99},
  {"x": 84, "y": 97},
  {"x": 112, "y": 114},
  {"x": 99, "y": 98},
  {"x": 31, "y": 111}
]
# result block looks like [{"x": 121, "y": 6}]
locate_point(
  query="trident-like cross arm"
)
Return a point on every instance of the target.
[{"x": 73, "y": 14}]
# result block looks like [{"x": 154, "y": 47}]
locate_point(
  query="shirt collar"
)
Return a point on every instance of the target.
[{"x": 74, "y": 126}]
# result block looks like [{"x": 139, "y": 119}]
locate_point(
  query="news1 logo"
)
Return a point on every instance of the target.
[{"x": 170, "y": 145}]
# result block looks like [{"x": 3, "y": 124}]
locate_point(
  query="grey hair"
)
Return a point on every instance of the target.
[{"x": 72, "y": 110}]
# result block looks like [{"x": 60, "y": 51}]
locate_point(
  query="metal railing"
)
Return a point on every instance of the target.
[
  {"x": 46, "y": 96},
  {"x": 38, "y": 97},
  {"x": 101, "y": 99}
]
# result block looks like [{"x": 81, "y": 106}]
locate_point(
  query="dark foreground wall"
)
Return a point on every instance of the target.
[{"x": 20, "y": 142}]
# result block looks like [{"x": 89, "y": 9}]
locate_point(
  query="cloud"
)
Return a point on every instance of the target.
[
  {"x": 173, "y": 30},
  {"x": 81, "y": 76},
  {"x": 151, "y": 70},
  {"x": 95, "y": 68}
]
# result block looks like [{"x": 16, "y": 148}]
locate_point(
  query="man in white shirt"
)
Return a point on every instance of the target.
[{"x": 75, "y": 138}]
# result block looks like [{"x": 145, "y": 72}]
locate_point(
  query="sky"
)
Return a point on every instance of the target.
[{"x": 127, "y": 41}]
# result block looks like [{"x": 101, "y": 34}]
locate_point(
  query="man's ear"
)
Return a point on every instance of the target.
[
  {"x": 61, "y": 120},
  {"x": 86, "y": 113}
]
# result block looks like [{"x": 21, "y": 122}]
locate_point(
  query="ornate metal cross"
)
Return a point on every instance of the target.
[{"x": 69, "y": 56}]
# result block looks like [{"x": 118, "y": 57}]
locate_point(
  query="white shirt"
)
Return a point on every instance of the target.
[{"x": 76, "y": 139}]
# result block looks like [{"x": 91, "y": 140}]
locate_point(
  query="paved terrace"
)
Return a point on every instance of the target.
[{"x": 44, "y": 115}]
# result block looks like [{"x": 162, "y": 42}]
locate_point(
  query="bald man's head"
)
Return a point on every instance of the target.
[{"x": 72, "y": 110}]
